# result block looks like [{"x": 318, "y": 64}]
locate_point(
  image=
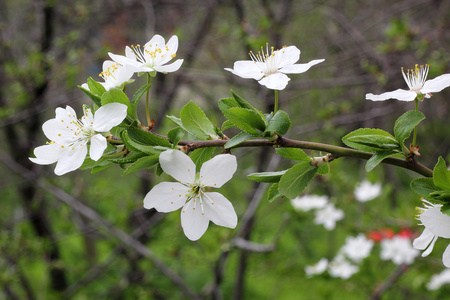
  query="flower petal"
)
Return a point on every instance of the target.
[
  {"x": 430, "y": 248},
  {"x": 193, "y": 221},
  {"x": 276, "y": 81},
  {"x": 166, "y": 197},
  {"x": 178, "y": 165},
  {"x": 299, "y": 68},
  {"x": 402, "y": 95},
  {"x": 436, "y": 85},
  {"x": 436, "y": 222},
  {"x": 47, "y": 154},
  {"x": 71, "y": 160},
  {"x": 287, "y": 56},
  {"x": 169, "y": 68},
  {"x": 247, "y": 69},
  {"x": 108, "y": 116},
  {"x": 218, "y": 170},
  {"x": 123, "y": 60},
  {"x": 423, "y": 240},
  {"x": 219, "y": 210},
  {"x": 98, "y": 146},
  {"x": 446, "y": 257}
]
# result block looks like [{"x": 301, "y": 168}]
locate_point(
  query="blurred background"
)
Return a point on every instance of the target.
[{"x": 87, "y": 236}]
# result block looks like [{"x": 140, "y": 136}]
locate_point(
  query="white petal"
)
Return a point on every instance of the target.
[
  {"x": 166, "y": 197},
  {"x": 123, "y": 60},
  {"x": 287, "y": 56},
  {"x": 218, "y": 170},
  {"x": 59, "y": 131},
  {"x": 277, "y": 81},
  {"x": 436, "y": 222},
  {"x": 423, "y": 240},
  {"x": 71, "y": 160},
  {"x": 436, "y": 85},
  {"x": 129, "y": 53},
  {"x": 108, "y": 116},
  {"x": 247, "y": 69},
  {"x": 178, "y": 165},
  {"x": 98, "y": 146},
  {"x": 430, "y": 248},
  {"x": 169, "y": 68},
  {"x": 299, "y": 68},
  {"x": 219, "y": 210},
  {"x": 157, "y": 41},
  {"x": 47, "y": 154},
  {"x": 193, "y": 221},
  {"x": 446, "y": 257},
  {"x": 402, "y": 95}
]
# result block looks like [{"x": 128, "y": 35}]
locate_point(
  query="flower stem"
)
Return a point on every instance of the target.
[
  {"x": 147, "y": 110},
  {"x": 415, "y": 128},
  {"x": 275, "y": 109}
]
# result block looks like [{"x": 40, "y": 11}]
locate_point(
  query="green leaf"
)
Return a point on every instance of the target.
[
  {"x": 371, "y": 140},
  {"x": 441, "y": 175},
  {"x": 142, "y": 163},
  {"x": 442, "y": 196},
  {"x": 227, "y": 103},
  {"x": 147, "y": 138},
  {"x": 323, "y": 170},
  {"x": 195, "y": 121},
  {"x": 199, "y": 156},
  {"x": 239, "y": 138},
  {"x": 95, "y": 98},
  {"x": 266, "y": 176},
  {"x": 227, "y": 124},
  {"x": 273, "y": 192},
  {"x": 295, "y": 180},
  {"x": 246, "y": 119},
  {"x": 175, "y": 135},
  {"x": 378, "y": 158},
  {"x": 159, "y": 170},
  {"x": 293, "y": 153},
  {"x": 95, "y": 87},
  {"x": 242, "y": 103},
  {"x": 423, "y": 186},
  {"x": 406, "y": 123},
  {"x": 130, "y": 158},
  {"x": 99, "y": 168},
  {"x": 279, "y": 123},
  {"x": 445, "y": 209},
  {"x": 116, "y": 95},
  {"x": 137, "y": 146},
  {"x": 138, "y": 94}
]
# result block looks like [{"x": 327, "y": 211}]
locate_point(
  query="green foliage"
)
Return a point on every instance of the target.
[
  {"x": 406, "y": 123},
  {"x": 116, "y": 95},
  {"x": 175, "y": 135},
  {"x": 293, "y": 154},
  {"x": 266, "y": 176},
  {"x": 195, "y": 121},
  {"x": 279, "y": 123},
  {"x": 142, "y": 163},
  {"x": 371, "y": 140},
  {"x": 295, "y": 180},
  {"x": 199, "y": 156}
]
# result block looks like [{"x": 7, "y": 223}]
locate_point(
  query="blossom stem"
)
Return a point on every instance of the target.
[
  {"x": 416, "y": 101},
  {"x": 275, "y": 109},
  {"x": 147, "y": 110}
]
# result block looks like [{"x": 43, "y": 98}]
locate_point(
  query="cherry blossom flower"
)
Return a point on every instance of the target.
[
  {"x": 318, "y": 268},
  {"x": 417, "y": 84},
  {"x": 114, "y": 75},
  {"x": 308, "y": 202},
  {"x": 399, "y": 250},
  {"x": 328, "y": 216},
  {"x": 153, "y": 57},
  {"x": 436, "y": 225},
  {"x": 439, "y": 280},
  {"x": 366, "y": 191},
  {"x": 270, "y": 68},
  {"x": 357, "y": 248},
  {"x": 341, "y": 268},
  {"x": 69, "y": 136},
  {"x": 198, "y": 205}
]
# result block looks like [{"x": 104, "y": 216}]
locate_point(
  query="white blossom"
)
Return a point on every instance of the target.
[
  {"x": 399, "y": 250},
  {"x": 308, "y": 202},
  {"x": 318, "y": 268},
  {"x": 341, "y": 268},
  {"x": 114, "y": 75},
  {"x": 191, "y": 192},
  {"x": 152, "y": 57},
  {"x": 436, "y": 225},
  {"x": 269, "y": 68},
  {"x": 417, "y": 84},
  {"x": 69, "y": 136},
  {"x": 366, "y": 191},
  {"x": 439, "y": 280},
  {"x": 357, "y": 248},
  {"x": 328, "y": 216}
]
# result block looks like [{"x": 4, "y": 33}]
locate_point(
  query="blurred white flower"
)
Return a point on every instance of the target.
[
  {"x": 308, "y": 202},
  {"x": 153, "y": 57},
  {"x": 270, "y": 68},
  {"x": 69, "y": 136},
  {"x": 366, "y": 191},
  {"x": 328, "y": 216},
  {"x": 399, "y": 250},
  {"x": 318, "y": 268},
  {"x": 438, "y": 280},
  {"x": 190, "y": 192},
  {"x": 417, "y": 84},
  {"x": 436, "y": 225},
  {"x": 114, "y": 75},
  {"x": 357, "y": 248},
  {"x": 341, "y": 268}
]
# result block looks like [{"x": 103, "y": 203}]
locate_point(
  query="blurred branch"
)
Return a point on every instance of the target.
[
  {"x": 389, "y": 282},
  {"x": 251, "y": 246}
]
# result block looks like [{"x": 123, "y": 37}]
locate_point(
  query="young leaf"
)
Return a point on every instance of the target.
[
  {"x": 195, "y": 121},
  {"x": 175, "y": 135},
  {"x": 406, "y": 123},
  {"x": 199, "y": 156},
  {"x": 248, "y": 120},
  {"x": 95, "y": 87},
  {"x": 323, "y": 170},
  {"x": 117, "y": 95},
  {"x": 137, "y": 146},
  {"x": 371, "y": 140},
  {"x": 239, "y": 138},
  {"x": 442, "y": 196},
  {"x": 147, "y": 138},
  {"x": 423, "y": 186},
  {"x": 95, "y": 98},
  {"x": 295, "y": 180},
  {"x": 142, "y": 163},
  {"x": 266, "y": 176},
  {"x": 441, "y": 175},
  {"x": 138, "y": 94},
  {"x": 378, "y": 157},
  {"x": 242, "y": 103},
  {"x": 273, "y": 192},
  {"x": 293, "y": 153},
  {"x": 227, "y": 124},
  {"x": 279, "y": 123},
  {"x": 227, "y": 103}
]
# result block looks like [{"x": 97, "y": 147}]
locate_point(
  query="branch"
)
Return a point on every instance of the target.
[{"x": 336, "y": 151}]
